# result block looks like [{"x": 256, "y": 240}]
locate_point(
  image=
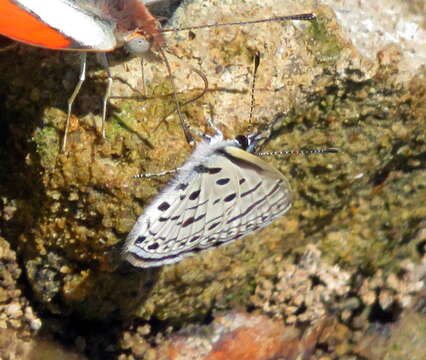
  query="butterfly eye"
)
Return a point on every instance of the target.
[
  {"x": 243, "y": 141},
  {"x": 138, "y": 46}
]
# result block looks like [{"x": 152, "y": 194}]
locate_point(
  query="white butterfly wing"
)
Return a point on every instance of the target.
[
  {"x": 79, "y": 26},
  {"x": 256, "y": 195},
  {"x": 232, "y": 194}
]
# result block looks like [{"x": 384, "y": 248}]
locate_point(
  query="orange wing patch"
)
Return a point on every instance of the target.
[{"x": 22, "y": 26}]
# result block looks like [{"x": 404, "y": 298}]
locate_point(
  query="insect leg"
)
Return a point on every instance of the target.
[
  {"x": 104, "y": 61},
  {"x": 82, "y": 77}
]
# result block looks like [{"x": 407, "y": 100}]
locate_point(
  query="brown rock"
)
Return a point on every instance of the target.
[{"x": 241, "y": 336}]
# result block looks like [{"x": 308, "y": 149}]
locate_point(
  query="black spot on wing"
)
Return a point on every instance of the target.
[
  {"x": 223, "y": 181},
  {"x": 192, "y": 220},
  {"x": 153, "y": 246},
  {"x": 230, "y": 197},
  {"x": 140, "y": 240},
  {"x": 201, "y": 169},
  {"x": 194, "y": 195},
  {"x": 181, "y": 186},
  {"x": 163, "y": 206},
  {"x": 195, "y": 238},
  {"x": 212, "y": 226},
  {"x": 242, "y": 181},
  {"x": 214, "y": 170}
]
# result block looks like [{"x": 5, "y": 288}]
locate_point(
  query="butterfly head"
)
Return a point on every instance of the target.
[{"x": 250, "y": 142}]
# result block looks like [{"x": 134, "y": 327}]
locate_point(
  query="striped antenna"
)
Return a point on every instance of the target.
[
  {"x": 307, "y": 16},
  {"x": 300, "y": 152}
]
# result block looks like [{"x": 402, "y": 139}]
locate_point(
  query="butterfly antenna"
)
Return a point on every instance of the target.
[
  {"x": 206, "y": 86},
  {"x": 185, "y": 125},
  {"x": 253, "y": 85},
  {"x": 159, "y": 174},
  {"x": 307, "y": 16},
  {"x": 300, "y": 152}
]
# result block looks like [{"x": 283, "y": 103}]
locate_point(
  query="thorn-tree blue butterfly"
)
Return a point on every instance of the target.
[{"x": 223, "y": 192}]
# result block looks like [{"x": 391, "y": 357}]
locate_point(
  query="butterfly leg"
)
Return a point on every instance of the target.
[
  {"x": 183, "y": 122},
  {"x": 104, "y": 61},
  {"x": 82, "y": 77},
  {"x": 143, "y": 77},
  {"x": 159, "y": 174},
  {"x": 214, "y": 127},
  {"x": 9, "y": 47},
  {"x": 211, "y": 123}
]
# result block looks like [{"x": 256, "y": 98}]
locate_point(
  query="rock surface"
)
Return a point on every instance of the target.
[{"x": 351, "y": 80}]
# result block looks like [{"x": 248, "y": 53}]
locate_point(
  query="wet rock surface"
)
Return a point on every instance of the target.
[{"x": 342, "y": 267}]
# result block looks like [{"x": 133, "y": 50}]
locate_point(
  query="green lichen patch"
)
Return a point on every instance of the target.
[{"x": 324, "y": 41}]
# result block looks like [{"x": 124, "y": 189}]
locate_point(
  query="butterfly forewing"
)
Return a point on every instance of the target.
[{"x": 230, "y": 194}]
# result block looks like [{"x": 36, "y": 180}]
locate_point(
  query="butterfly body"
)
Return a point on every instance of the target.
[{"x": 222, "y": 193}]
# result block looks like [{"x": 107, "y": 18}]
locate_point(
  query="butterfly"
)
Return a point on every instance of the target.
[{"x": 222, "y": 193}]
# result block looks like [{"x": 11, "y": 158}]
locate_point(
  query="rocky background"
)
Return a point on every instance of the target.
[{"x": 340, "y": 276}]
